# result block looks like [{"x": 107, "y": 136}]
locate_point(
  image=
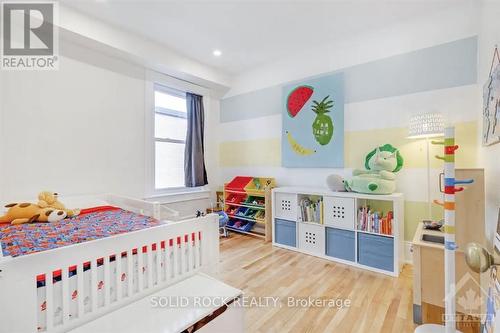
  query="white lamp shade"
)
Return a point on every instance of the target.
[{"x": 426, "y": 125}]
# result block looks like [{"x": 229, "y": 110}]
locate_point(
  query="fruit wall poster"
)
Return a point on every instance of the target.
[{"x": 313, "y": 123}]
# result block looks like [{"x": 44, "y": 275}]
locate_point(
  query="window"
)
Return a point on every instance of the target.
[{"x": 170, "y": 137}]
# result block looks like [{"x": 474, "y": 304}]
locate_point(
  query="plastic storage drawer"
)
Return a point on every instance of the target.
[
  {"x": 376, "y": 251},
  {"x": 285, "y": 232},
  {"x": 340, "y": 244}
]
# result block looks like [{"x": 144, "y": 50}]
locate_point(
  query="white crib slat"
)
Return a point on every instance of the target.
[
  {"x": 65, "y": 295},
  {"x": 168, "y": 260},
  {"x": 189, "y": 259},
  {"x": 49, "y": 300},
  {"x": 118, "y": 277},
  {"x": 192, "y": 245},
  {"x": 80, "y": 291},
  {"x": 175, "y": 267},
  {"x": 107, "y": 281},
  {"x": 187, "y": 251},
  {"x": 182, "y": 256},
  {"x": 195, "y": 252},
  {"x": 200, "y": 252},
  {"x": 93, "y": 284},
  {"x": 193, "y": 249},
  {"x": 198, "y": 249},
  {"x": 159, "y": 254},
  {"x": 149, "y": 256},
  {"x": 130, "y": 263},
  {"x": 140, "y": 261}
]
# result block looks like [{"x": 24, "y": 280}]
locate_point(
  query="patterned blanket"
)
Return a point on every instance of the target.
[{"x": 18, "y": 240}]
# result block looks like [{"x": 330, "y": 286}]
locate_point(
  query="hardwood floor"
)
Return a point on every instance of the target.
[{"x": 379, "y": 303}]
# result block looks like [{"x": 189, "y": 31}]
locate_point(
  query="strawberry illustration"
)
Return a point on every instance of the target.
[{"x": 323, "y": 124}]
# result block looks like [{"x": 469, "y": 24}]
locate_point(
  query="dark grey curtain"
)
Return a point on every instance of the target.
[{"x": 194, "y": 159}]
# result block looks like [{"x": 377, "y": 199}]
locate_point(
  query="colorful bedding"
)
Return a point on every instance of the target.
[{"x": 91, "y": 224}]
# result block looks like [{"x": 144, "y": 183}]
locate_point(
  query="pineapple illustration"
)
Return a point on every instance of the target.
[{"x": 322, "y": 125}]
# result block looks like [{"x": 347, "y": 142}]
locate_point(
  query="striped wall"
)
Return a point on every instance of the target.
[{"x": 381, "y": 96}]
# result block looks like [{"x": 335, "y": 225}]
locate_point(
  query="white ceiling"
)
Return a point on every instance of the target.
[{"x": 251, "y": 33}]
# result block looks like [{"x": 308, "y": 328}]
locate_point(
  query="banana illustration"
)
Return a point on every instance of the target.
[{"x": 297, "y": 148}]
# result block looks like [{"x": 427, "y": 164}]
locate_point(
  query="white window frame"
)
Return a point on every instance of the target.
[
  {"x": 170, "y": 85},
  {"x": 171, "y": 113}
]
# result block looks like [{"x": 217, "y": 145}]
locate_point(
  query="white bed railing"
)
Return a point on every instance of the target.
[
  {"x": 154, "y": 209},
  {"x": 99, "y": 276}
]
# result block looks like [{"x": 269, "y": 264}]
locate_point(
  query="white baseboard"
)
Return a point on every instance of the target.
[{"x": 408, "y": 253}]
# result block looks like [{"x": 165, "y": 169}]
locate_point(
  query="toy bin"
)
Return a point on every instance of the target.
[
  {"x": 340, "y": 244},
  {"x": 339, "y": 212},
  {"x": 247, "y": 226},
  {"x": 376, "y": 251},
  {"x": 257, "y": 186},
  {"x": 251, "y": 213},
  {"x": 242, "y": 211},
  {"x": 235, "y": 198},
  {"x": 232, "y": 210},
  {"x": 238, "y": 183},
  {"x": 260, "y": 216},
  {"x": 312, "y": 238},
  {"x": 285, "y": 232},
  {"x": 254, "y": 201}
]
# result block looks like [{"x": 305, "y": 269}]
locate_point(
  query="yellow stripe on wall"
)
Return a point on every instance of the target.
[
  {"x": 262, "y": 152},
  {"x": 267, "y": 152}
]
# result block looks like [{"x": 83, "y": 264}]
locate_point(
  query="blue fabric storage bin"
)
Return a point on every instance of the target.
[
  {"x": 376, "y": 251},
  {"x": 340, "y": 244},
  {"x": 285, "y": 232}
]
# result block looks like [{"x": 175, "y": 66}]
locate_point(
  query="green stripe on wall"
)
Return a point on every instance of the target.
[{"x": 267, "y": 152}]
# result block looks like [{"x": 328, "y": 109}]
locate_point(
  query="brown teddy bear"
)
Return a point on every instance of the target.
[
  {"x": 48, "y": 199},
  {"x": 26, "y": 212}
]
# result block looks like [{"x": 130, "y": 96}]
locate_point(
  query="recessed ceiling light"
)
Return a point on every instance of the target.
[{"x": 217, "y": 53}]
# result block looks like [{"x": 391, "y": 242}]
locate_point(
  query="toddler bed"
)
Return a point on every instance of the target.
[{"x": 57, "y": 276}]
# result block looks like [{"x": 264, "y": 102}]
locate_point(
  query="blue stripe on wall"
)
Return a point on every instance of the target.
[
  {"x": 442, "y": 66},
  {"x": 258, "y": 103}
]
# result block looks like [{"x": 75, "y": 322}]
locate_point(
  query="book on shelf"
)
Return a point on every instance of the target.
[
  {"x": 374, "y": 221},
  {"x": 311, "y": 211}
]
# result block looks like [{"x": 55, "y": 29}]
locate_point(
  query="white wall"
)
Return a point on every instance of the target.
[
  {"x": 75, "y": 130},
  {"x": 78, "y": 130},
  {"x": 489, "y": 36}
]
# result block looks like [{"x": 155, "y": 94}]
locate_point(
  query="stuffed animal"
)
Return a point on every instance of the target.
[
  {"x": 19, "y": 213},
  {"x": 335, "y": 183},
  {"x": 379, "y": 177},
  {"x": 48, "y": 199}
]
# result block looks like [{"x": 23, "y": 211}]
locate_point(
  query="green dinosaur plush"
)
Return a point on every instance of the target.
[{"x": 381, "y": 165}]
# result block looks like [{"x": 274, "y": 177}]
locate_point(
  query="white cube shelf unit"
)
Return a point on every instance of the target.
[{"x": 339, "y": 235}]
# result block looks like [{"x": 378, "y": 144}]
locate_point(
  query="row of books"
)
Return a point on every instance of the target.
[
  {"x": 311, "y": 210},
  {"x": 375, "y": 221}
]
